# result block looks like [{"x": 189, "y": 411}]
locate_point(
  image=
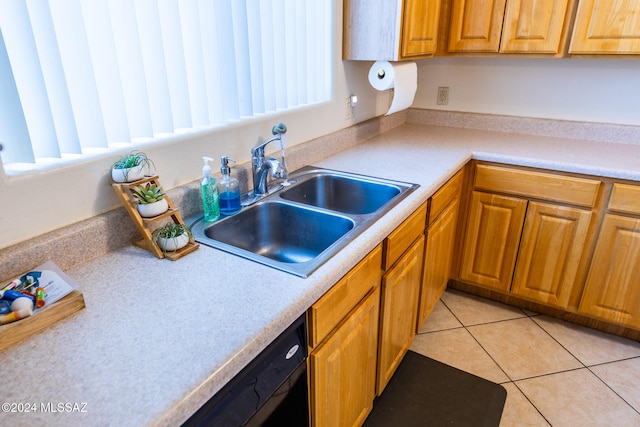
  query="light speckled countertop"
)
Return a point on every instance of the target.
[{"x": 152, "y": 351}]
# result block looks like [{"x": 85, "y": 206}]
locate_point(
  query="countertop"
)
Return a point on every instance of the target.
[{"x": 158, "y": 338}]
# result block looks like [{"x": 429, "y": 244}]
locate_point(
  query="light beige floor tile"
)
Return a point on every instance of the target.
[
  {"x": 474, "y": 310},
  {"x": 623, "y": 377},
  {"x": 457, "y": 348},
  {"x": 589, "y": 346},
  {"x": 578, "y": 398},
  {"x": 440, "y": 319},
  {"x": 522, "y": 349},
  {"x": 518, "y": 411}
]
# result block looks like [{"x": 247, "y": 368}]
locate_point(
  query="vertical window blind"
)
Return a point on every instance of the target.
[{"x": 80, "y": 76}]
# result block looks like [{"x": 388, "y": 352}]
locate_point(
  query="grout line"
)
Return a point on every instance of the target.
[
  {"x": 610, "y": 387},
  {"x": 530, "y": 402}
]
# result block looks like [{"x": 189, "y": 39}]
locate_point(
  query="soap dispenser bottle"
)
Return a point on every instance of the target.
[
  {"x": 209, "y": 191},
  {"x": 228, "y": 189}
]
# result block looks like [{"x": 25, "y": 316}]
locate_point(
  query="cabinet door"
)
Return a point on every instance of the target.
[
  {"x": 612, "y": 290},
  {"x": 533, "y": 26},
  {"x": 342, "y": 370},
  {"x": 476, "y": 25},
  {"x": 491, "y": 240},
  {"x": 437, "y": 260},
  {"x": 550, "y": 251},
  {"x": 420, "y": 27},
  {"x": 398, "y": 312},
  {"x": 607, "y": 27}
]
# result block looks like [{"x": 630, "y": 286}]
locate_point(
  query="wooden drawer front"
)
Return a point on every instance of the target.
[
  {"x": 625, "y": 199},
  {"x": 334, "y": 306},
  {"x": 445, "y": 195},
  {"x": 545, "y": 186},
  {"x": 402, "y": 237}
]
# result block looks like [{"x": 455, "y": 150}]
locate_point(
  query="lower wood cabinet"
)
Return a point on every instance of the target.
[
  {"x": 343, "y": 336},
  {"x": 492, "y": 238},
  {"x": 551, "y": 247},
  {"x": 612, "y": 289},
  {"x": 399, "y": 307},
  {"x": 342, "y": 369},
  {"x": 440, "y": 238}
]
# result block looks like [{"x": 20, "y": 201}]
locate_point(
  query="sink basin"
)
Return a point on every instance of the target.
[
  {"x": 281, "y": 232},
  {"x": 298, "y": 228},
  {"x": 343, "y": 194}
]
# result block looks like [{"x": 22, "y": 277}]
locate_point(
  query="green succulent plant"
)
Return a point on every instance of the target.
[
  {"x": 170, "y": 231},
  {"x": 132, "y": 160},
  {"x": 148, "y": 193}
]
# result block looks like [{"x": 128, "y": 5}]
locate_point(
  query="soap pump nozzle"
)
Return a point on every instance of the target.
[
  {"x": 206, "y": 169},
  {"x": 225, "y": 169}
]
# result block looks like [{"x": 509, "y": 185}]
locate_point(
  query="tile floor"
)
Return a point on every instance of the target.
[{"x": 555, "y": 373}]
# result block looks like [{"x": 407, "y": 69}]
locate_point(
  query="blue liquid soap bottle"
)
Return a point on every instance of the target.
[
  {"x": 228, "y": 189},
  {"x": 209, "y": 193}
]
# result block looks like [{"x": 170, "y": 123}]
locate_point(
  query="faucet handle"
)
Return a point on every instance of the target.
[{"x": 279, "y": 129}]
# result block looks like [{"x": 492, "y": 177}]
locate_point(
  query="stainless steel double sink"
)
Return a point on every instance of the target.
[{"x": 299, "y": 227}]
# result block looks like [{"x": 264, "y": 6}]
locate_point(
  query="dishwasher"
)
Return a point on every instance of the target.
[{"x": 270, "y": 391}]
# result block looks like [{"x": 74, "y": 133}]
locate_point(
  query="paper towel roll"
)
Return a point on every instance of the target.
[{"x": 400, "y": 76}]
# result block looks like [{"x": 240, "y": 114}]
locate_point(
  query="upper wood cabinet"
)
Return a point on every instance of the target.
[
  {"x": 533, "y": 26},
  {"x": 390, "y": 30},
  {"x": 513, "y": 26},
  {"x": 420, "y": 27},
  {"x": 607, "y": 27},
  {"x": 476, "y": 25}
]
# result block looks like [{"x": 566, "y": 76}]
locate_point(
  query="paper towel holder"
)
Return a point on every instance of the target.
[{"x": 381, "y": 74}]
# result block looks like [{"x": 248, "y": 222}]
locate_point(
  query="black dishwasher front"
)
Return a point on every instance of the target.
[{"x": 270, "y": 391}]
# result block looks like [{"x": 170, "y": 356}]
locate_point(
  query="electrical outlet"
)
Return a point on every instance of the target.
[
  {"x": 443, "y": 96},
  {"x": 348, "y": 111}
]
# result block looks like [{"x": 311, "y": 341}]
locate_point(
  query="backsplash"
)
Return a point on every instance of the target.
[{"x": 598, "y": 132}]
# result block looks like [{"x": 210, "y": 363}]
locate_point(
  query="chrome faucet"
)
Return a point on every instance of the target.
[{"x": 261, "y": 166}]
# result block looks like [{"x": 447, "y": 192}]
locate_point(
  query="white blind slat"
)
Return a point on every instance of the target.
[
  {"x": 14, "y": 134},
  {"x": 54, "y": 78},
  {"x": 174, "y": 59},
  {"x": 23, "y": 55},
  {"x": 155, "y": 70},
  {"x": 74, "y": 52}
]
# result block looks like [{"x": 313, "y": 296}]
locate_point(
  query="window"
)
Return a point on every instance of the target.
[{"x": 84, "y": 76}]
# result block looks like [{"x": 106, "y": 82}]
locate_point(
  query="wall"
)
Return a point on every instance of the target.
[{"x": 592, "y": 90}]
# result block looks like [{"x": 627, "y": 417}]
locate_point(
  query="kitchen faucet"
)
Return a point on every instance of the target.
[{"x": 261, "y": 166}]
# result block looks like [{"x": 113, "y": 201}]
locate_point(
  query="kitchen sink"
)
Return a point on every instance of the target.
[
  {"x": 299, "y": 227},
  {"x": 342, "y": 193},
  {"x": 281, "y": 231}
]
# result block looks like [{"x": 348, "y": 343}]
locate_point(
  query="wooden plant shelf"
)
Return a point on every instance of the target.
[{"x": 125, "y": 193}]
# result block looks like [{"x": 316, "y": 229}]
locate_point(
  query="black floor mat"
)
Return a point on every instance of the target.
[{"x": 425, "y": 392}]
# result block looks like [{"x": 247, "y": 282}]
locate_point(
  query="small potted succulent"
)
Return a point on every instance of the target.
[
  {"x": 171, "y": 237},
  {"x": 151, "y": 200},
  {"x": 131, "y": 167}
]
